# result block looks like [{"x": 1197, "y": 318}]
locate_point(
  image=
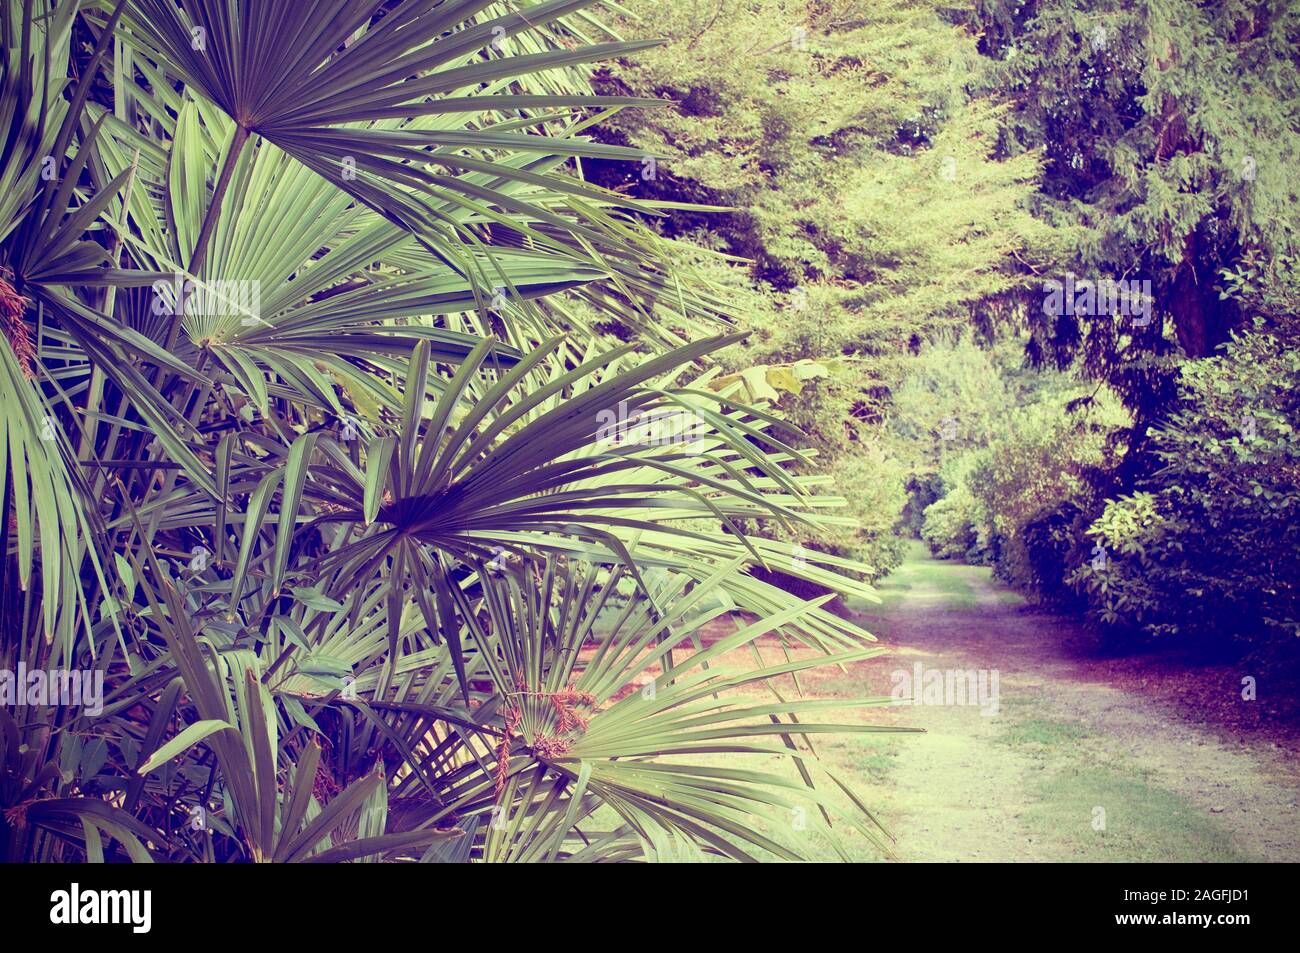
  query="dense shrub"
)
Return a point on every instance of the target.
[
  {"x": 1208, "y": 547},
  {"x": 1015, "y": 502},
  {"x": 950, "y": 526},
  {"x": 956, "y": 396},
  {"x": 872, "y": 484},
  {"x": 956, "y": 526},
  {"x": 1054, "y": 542}
]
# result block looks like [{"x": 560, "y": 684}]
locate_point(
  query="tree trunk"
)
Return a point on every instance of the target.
[{"x": 1201, "y": 320}]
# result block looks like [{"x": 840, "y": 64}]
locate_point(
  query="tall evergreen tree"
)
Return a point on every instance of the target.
[{"x": 1169, "y": 134}]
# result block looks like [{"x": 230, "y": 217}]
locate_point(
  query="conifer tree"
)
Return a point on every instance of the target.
[{"x": 1168, "y": 130}]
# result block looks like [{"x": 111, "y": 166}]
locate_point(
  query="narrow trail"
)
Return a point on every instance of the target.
[{"x": 1072, "y": 766}]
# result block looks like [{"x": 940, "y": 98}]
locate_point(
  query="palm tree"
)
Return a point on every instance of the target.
[{"x": 306, "y": 449}]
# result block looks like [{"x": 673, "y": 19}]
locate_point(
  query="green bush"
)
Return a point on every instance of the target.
[
  {"x": 1008, "y": 451},
  {"x": 873, "y": 483},
  {"x": 1208, "y": 546},
  {"x": 955, "y": 525},
  {"x": 1041, "y": 461},
  {"x": 1055, "y": 541},
  {"x": 950, "y": 526},
  {"x": 952, "y": 399}
]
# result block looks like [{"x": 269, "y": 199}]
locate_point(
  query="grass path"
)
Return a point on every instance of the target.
[{"x": 1069, "y": 768}]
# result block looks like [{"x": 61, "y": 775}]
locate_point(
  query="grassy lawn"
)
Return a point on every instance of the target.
[{"x": 920, "y": 578}]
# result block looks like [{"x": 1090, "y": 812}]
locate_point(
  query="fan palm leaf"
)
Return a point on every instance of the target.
[{"x": 383, "y": 548}]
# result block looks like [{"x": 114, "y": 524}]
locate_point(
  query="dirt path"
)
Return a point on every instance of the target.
[{"x": 1071, "y": 766}]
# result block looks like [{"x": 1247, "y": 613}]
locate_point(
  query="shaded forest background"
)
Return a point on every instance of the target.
[{"x": 899, "y": 185}]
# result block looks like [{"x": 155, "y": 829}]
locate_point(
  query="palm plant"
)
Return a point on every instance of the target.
[{"x": 304, "y": 449}]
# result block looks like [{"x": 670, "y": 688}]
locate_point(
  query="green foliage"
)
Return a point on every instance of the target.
[
  {"x": 855, "y": 171},
  {"x": 1207, "y": 547},
  {"x": 1038, "y": 460},
  {"x": 873, "y": 483},
  {"x": 955, "y": 525},
  {"x": 992, "y": 443},
  {"x": 1168, "y": 135},
  {"x": 307, "y": 454},
  {"x": 951, "y": 525},
  {"x": 847, "y": 141},
  {"x": 952, "y": 395}
]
